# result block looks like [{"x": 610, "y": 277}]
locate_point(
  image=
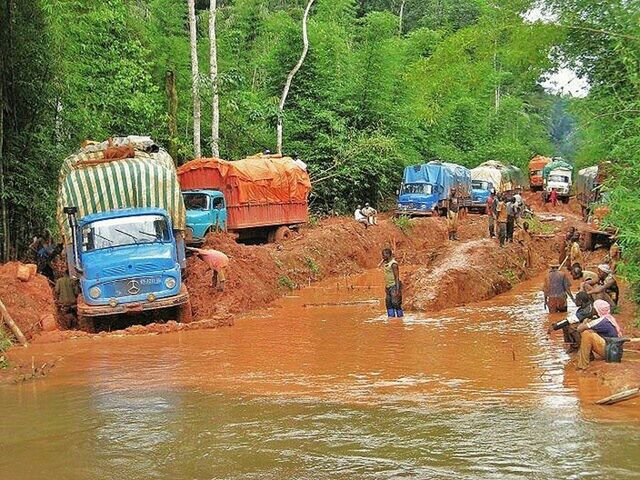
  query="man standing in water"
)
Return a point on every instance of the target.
[
  {"x": 556, "y": 288},
  {"x": 392, "y": 283}
]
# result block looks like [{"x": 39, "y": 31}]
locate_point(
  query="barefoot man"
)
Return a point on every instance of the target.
[
  {"x": 218, "y": 263},
  {"x": 392, "y": 283}
]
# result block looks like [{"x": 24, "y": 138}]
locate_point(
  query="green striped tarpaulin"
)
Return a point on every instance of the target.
[{"x": 147, "y": 180}]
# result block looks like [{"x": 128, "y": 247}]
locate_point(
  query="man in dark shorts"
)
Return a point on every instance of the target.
[
  {"x": 556, "y": 288},
  {"x": 392, "y": 283}
]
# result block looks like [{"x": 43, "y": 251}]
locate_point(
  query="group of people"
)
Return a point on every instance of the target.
[
  {"x": 504, "y": 211},
  {"x": 367, "y": 216},
  {"x": 597, "y": 296}
]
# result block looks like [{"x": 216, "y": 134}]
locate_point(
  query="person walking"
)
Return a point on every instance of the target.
[
  {"x": 556, "y": 288},
  {"x": 575, "y": 254},
  {"x": 523, "y": 237},
  {"x": 392, "y": 283},
  {"x": 553, "y": 197}
]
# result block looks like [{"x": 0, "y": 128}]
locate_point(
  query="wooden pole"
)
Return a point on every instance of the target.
[{"x": 12, "y": 325}]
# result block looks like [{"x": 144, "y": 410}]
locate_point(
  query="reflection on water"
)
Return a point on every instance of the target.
[{"x": 321, "y": 392}]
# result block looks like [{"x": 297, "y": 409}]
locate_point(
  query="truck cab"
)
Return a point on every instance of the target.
[
  {"x": 418, "y": 199},
  {"x": 480, "y": 191},
  {"x": 127, "y": 260},
  {"x": 206, "y": 211},
  {"x": 560, "y": 180}
]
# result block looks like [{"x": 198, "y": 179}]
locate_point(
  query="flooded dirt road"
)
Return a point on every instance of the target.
[{"x": 310, "y": 389}]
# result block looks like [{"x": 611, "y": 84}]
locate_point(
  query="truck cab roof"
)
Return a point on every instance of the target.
[
  {"x": 122, "y": 213},
  {"x": 212, "y": 193}
]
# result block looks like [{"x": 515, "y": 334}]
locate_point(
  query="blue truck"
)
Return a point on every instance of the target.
[
  {"x": 121, "y": 214},
  {"x": 206, "y": 211},
  {"x": 427, "y": 189}
]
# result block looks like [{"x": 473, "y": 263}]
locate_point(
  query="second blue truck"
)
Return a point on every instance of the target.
[{"x": 427, "y": 189}]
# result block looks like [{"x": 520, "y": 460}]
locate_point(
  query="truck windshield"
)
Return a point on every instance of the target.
[
  {"x": 535, "y": 173},
  {"x": 416, "y": 188},
  {"x": 558, "y": 178},
  {"x": 117, "y": 232},
  {"x": 196, "y": 201},
  {"x": 481, "y": 185}
]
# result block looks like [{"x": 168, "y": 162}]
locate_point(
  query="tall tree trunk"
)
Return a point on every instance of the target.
[
  {"x": 5, "y": 29},
  {"x": 215, "y": 102},
  {"x": 172, "y": 101},
  {"x": 401, "y": 15},
  {"x": 195, "y": 84},
  {"x": 287, "y": 85}
]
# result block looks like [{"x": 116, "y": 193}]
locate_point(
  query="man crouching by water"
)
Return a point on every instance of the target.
[{"x": 392, "y": 283}]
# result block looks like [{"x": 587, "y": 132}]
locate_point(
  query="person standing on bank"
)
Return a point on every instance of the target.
[
  {"x": 392, "y": 283},
  {"x": 453, "y": 215}
]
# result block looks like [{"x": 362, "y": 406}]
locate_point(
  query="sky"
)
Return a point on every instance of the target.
[{"x": 564, "y": 81}]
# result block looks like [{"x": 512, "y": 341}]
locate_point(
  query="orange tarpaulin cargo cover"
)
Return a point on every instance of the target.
[{"x": 261, "y": 179}]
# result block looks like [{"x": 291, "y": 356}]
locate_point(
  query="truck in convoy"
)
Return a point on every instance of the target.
[
  {"x": 121, "y": 216},
  {"x": 557, "y": 175},
  {"x": 260, "y": 197},
  {"x": 492, "y": 175},
  {"x": 589, "y": 191},
  {"x": 426, "y": 189},
  {"x": 536, "y": 165}
]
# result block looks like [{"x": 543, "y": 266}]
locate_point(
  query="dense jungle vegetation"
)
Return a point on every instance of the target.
[{"x": 386, "y": 83}]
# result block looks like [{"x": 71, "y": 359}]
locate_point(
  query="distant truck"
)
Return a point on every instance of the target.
[
  {"x": 261, "y": 197},
  {"x": 536, "y": 165},
  {"x": 496, "y": 176},
  {"x": 121, "y": 216},
  {"x": 426, "y": 189},
  {"x": 557, "y": 175}
]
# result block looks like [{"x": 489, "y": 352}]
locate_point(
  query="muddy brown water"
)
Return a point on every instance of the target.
[{"x": 307, "y": 389}]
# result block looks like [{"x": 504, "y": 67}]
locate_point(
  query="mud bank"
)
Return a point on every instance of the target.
[
  {"x": 257, "y": 275},
  {"x": 476, "y": 270},
  {"x": 28, "y": 302}
]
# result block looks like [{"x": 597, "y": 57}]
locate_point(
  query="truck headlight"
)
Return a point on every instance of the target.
[
  {"x": 170, "y": 282},
  {"x": 423, "y": 206},
  {"x": 94, "y": 292}
]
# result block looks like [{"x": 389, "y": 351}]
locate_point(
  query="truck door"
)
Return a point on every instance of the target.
[{"x": 219, "y": 213}]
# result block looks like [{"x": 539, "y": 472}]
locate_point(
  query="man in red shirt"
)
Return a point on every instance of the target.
[{"x": 554, "y": 197}]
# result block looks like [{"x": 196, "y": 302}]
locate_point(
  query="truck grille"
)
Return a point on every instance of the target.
[
  {"x": 110, "y": 271},
  {"x": 135, "y": 286}
]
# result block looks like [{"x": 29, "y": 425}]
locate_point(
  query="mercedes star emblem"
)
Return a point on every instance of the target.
[{"x": 133, "y": 287}]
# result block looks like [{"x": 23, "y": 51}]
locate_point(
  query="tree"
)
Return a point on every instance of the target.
[
  {"x": 195, "y": 78},
  {"x": 287, "y": 85},
  {"x": 215, "y": 103}
]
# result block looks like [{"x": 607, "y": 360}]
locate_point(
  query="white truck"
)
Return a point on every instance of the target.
[{"x": 557, "y": 176}]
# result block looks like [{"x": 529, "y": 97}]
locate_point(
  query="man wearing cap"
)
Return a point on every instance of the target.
[
  {"x": 371, "y": 214},
  {"x": 556, "y": 288},
  {"x": 605, "y": 288}
]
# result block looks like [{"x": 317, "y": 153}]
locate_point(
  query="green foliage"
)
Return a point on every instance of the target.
[
  {"x": 312, "y": 265},
  {"x": 5, "y": 344},
  {"x": 286, "y": 282},
  {"x": 458, "y": 83},
  {"x": 403, "y": 222},
  {"x": 604, "y": 45}
]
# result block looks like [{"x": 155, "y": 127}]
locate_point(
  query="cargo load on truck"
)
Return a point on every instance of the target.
[
  {"x": 257, "y": 196},
  {"x": 95, "y": 180},
  {"x": 121, "y": 215},
  {"x": 427, "y": 188},
  {"x": 536, "y": 165},
  {"x": 493, "y": 175},
  {"x": 589, "y": 191}
]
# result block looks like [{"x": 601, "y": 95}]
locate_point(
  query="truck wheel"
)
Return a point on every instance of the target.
[
  {"x": 565, "y": 200},
  {"x": 185, "y": 314},
  {"x": 282, "y": 233}
]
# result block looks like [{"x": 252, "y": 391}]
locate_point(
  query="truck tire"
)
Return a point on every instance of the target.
[
  {"x": 282, "y": 233},
  {"x": 185, "y": 314},
  {"x": 565, "y": 200}
]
